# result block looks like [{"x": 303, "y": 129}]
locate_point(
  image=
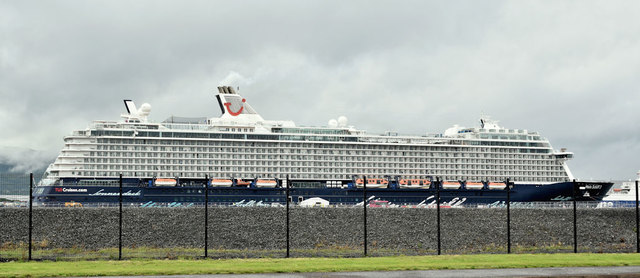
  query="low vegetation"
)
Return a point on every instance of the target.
[
  {"x": 212, "y": 266},
  {"x": 42, "y": 251}
]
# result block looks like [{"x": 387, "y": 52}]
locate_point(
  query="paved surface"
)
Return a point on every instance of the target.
[{"x": 623, "y": 271}]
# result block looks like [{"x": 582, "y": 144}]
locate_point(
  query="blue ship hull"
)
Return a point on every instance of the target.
[{"x": 134, "y": 192}]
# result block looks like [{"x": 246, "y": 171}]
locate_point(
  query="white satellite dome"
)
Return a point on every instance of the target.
[
  {"x": 144, "y": 110},
  {"x": 333, "y": 123},
  {"x": 342, "y": 121}
]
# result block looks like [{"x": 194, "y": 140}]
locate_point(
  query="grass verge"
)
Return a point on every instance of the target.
[
  {"x": 184, "y": 267},
  {"x": 42, "y": 251}
]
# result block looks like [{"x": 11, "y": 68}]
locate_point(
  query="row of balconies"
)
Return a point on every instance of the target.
[
  {"x": 120, "y": 153},
  {"x": 449, "y": 153},
  {"x": 317, "y": 175},
  {"x": 464, "y": 172},
  {"x": 279, "y": 145},
  {"x": 234, "y": 161},
  {"x": 466, "y": 166}
]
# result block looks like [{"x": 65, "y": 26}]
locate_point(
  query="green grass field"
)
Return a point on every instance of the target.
[{"x": 176, "y": 267}]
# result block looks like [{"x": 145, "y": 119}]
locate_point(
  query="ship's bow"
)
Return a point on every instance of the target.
[{"x": 592, "y": 191}]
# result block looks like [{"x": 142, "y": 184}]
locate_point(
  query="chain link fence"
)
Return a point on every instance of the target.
[{"x": 165, "y": 232}]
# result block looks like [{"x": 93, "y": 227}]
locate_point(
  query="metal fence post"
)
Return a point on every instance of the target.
[
  {"x": 508, "y": 216},
  {"x": 30, "y": 211},
  {"x": 438, "y": 210},
  {"x": 364, "y": 205},
  {"x": 637, "y": 224},
  {"x": 287, "y": 216},
  {"x": 206, "y": 216},
  {"x": 575, "y": 221},
  {"x": 120, "y": 221}
]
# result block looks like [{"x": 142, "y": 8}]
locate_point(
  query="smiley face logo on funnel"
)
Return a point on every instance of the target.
[{"x": 228, "y": 105}]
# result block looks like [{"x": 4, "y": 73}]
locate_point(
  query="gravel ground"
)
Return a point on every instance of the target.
[{"x": 323, "y": 231}]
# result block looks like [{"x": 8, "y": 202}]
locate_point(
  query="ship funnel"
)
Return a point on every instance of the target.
[
  {"x": 233, "y": 105},
  {"x": 226, "y": 90},
  {"x": 135, "y": 114}
]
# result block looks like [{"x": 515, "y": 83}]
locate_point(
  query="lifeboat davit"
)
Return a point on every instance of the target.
[
  {"x": 472, "y": 185},
  {"x": 450, "y": 185},
  {"x": 497, "y": 185},
  {"x": 221, "y": 182}
]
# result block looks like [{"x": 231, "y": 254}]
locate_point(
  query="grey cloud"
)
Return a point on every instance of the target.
[
  {"x": 25, "y": 160},
  {"x": 566, "y": 69}
]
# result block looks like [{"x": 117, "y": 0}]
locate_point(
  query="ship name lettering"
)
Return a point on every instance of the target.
[
  {"x": 593, "y": 186},
  {"x": 102, "y": 193},
  {"x": 74, "y": 190}
]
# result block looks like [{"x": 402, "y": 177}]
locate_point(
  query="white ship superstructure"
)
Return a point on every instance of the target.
[
  {"x": 623, "y": 195},
  {"x": 241, "y": 144}
]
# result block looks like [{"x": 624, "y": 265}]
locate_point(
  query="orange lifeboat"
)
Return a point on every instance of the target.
[
  {"x": 450, "y": 185},
  {"x": 373, "y": 183},
  {"x": 497, "y": 185},
  {"x": 240, "y": 182},
  {"x": 221, "y": 182},
  {"x": 472, "y": 185},
  {"x": 165, "y": 182},
  {"x": 269, "y": 183},
  {"x": 414, "y": 183}
]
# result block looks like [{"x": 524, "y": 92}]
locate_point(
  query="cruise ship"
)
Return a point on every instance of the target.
[
  {"x": 239, "y": 156},
  {"x": 623, "y": 196}
]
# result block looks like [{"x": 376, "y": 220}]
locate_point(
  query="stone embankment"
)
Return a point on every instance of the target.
[{"x": 399, "y": 230}]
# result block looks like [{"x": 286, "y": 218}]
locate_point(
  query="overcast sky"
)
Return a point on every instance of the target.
[{"x": 567, "y": 69}]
